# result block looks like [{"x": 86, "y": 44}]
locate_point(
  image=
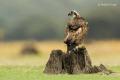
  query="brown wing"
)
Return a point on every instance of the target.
[{"x": 76, "y": 30}]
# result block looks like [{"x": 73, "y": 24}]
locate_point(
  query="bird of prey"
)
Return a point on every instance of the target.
[{"x": 76, "y": 30}]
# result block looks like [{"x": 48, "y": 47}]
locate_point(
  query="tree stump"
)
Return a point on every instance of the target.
[
  {"x": 77, "y": 61},
  {"x": 54, "y": 64}
]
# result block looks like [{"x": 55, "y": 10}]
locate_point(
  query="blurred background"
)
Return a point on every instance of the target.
[
  {"x": 38, "y": 26},
  {"x": 46, "y": 19}
]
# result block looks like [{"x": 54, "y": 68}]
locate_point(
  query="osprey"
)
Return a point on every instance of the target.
[{"x": 76, "y": 30}]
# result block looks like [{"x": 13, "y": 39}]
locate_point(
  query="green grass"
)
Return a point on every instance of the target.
[{"x": 36, "y": 73}]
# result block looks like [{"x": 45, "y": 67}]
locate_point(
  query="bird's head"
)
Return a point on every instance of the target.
[{"x": 73, "y": 13}]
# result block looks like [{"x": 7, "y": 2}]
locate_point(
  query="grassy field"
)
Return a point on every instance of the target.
[
  {"x": 35, "y": 73},
  {"x": 14, "y": 66}
]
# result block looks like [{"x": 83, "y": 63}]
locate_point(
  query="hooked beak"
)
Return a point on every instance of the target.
[{"x": 69, "y": 14}]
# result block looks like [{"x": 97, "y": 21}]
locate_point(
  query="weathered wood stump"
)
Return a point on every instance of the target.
[
  {"x": 54, "y": 64},
  {"x": 77, "y": 61}
]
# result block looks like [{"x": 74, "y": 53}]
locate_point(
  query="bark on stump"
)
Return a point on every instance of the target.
[{"x": 77, "y": 61}]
